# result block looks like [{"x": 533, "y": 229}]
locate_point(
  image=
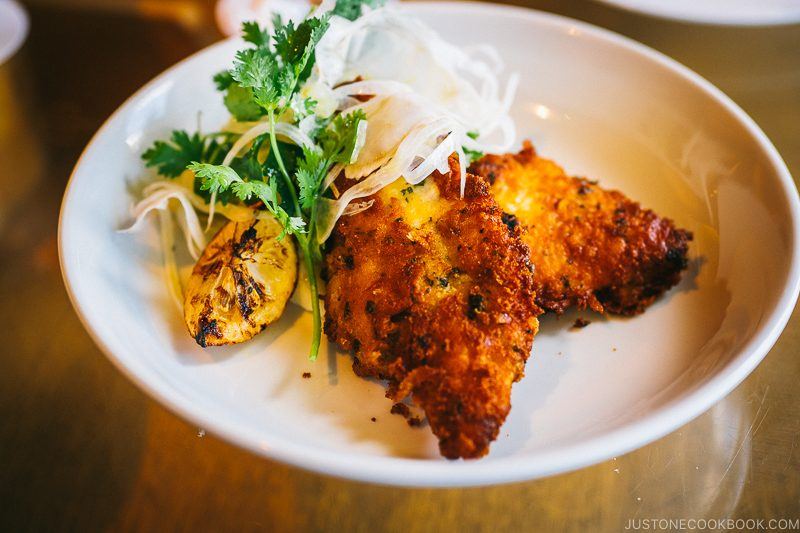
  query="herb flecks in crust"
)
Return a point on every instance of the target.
[
  {"x": 455, "y": 346},
  {"x": 592, "y": 247}
]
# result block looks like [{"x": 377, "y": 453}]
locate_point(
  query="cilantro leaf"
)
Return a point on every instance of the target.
[
  {"x": 339, "y": 140},
  {"x": 170, "y": 158},
  {"x": 302, "y": 107},
  {"x": 311, "y": 169},
  {"x": 257, "y": 69},
  {"x": 285, "y": 38},
  {"x": 223, "y": 80},
  {"x": 241, "y": 103},
  {"x": 248, "y": 166},
  {"x": 265, "y": 80},
  {"x": 472, "y": 155},
  {"x": 254, "y": 67},
  {"x": 220, "y": 178},
  {"x": 253, "y": 33},
  {"x": 264, "y": 191},
  {"x": 214, "y": 178},
  {"x": 351, "y": 9},
  {"x": 294, "y": 44},
  {"x": 295, "y": 48}
]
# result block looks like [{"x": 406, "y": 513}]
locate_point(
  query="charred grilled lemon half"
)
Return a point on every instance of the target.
[{"x": 241, "y": 283}]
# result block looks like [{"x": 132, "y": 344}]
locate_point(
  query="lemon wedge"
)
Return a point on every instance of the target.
[{"x": 241, "y": 282}]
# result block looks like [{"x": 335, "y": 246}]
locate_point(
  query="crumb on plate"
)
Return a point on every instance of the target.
[{"x": 580, "y": 323}]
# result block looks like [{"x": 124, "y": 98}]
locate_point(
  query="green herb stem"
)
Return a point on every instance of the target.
[
  {"x": 312, "y": 231},
  {"x": 263, "y": 80},
  {"x": 305, "y": 243},
  {"x": 316, "y": 336},
  {"x": 274, "y": 144}
]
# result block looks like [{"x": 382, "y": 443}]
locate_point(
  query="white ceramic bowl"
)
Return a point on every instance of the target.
[
  {"x": 718, "y": 12},
  {"x": 600, "y": 104}
]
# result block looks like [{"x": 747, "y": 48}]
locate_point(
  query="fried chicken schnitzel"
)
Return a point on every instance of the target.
[
  {"x": 590, "y": 247},
  {"x": 433, "y": 293}
]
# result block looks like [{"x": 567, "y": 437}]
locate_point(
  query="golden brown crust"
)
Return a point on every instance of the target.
[
  {"x": 591, "y": 247},
  {"x": 435, "y": 295}
]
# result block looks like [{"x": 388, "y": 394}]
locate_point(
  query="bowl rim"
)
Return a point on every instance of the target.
[
  {"x": 723, "y": 18},
  {"x": 424, "y": 472}
]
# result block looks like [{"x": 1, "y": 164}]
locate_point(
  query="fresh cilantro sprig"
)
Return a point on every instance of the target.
[
  {"x": 219, "y": 179},
  {"x": 253, "y": 33},
  {"x": 265, "y": 75},
  {"x": 264, "y": 83},
  {"x": 170, "y": 158},
  {"x": 337, "y": 144},
  {"x": 270, "y": 73}
]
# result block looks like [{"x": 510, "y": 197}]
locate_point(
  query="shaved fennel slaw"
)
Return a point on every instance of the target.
[{"x": 431, "y": 100}]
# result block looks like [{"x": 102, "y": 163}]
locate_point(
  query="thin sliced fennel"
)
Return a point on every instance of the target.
[{"x": 430, "y": 101}]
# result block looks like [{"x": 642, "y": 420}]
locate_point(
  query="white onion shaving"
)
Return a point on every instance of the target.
[
  {"x": 170, "y": 264},
  {"x": 371, "y": 88},
  {"x": 324, "y": 7},
  {"x": 432, "y": 140},
  {"x": 511, "y": 92},
  {"x": 308, "y": 124},
  {"x": 326, "y": 98},
  {"x": 247, "y": 137},
  {"x": 391, "y": 118},
  {"x": 425, "y": 100},
  {"x": 360, "y": 141},
  {"x": 333, "y": 173},
  {"x": 211, "y": 209},
  {"x": 491, "y": 54},
  {"x": 462, "y": 168},
  {"x": 432, "y": 162},
  {"x": 282, "y": 129},
  {"x": 358, "y": 207},
  {"x": 429, "y": 100},
  {"x": 157, "y": 198},
  {"x": 462, "y": 81}
]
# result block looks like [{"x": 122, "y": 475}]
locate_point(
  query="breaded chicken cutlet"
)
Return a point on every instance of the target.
[
  {"x": 433, "y": 293},
  {"x": 590, "y": 247}
]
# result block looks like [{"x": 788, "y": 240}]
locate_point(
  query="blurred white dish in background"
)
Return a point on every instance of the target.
[
  {"x": 13, "y": 28},
  {"x": 721, "y": 12},
  {"x": 231, "y": 13},
  {"x": 601, "y": 105}
]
